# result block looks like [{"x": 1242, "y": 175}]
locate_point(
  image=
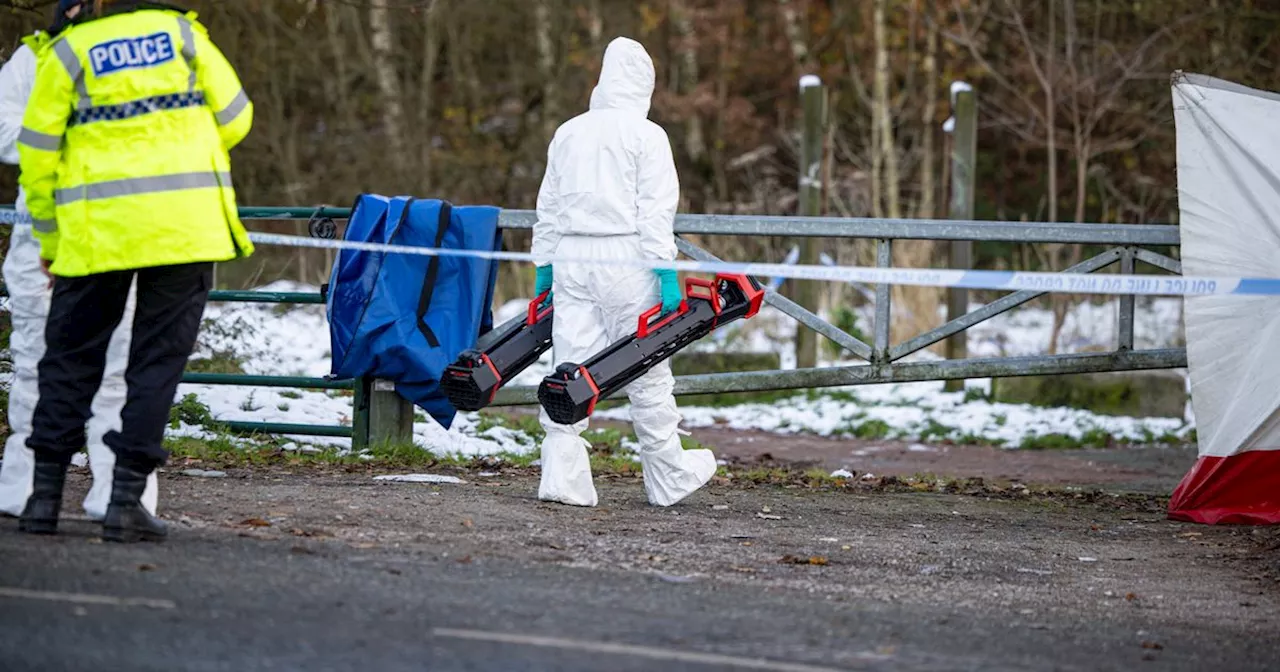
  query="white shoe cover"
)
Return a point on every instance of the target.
[
  {"x": 671, "y": 474},
  {"x": 15, "y": 476},
  {"x": 566, "y": 471}
]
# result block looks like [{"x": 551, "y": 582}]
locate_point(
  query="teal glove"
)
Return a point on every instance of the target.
[
  {"x": 671, "y": 294},
  {"x": 542, "y": 283}
]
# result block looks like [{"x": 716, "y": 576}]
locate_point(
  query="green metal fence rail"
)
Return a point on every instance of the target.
[
  {"x": 358, "y": 431},
  {"x": 378, "y": 413}
]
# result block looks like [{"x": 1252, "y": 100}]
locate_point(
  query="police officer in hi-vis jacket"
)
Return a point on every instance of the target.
[{"x": 124, "y": 159}]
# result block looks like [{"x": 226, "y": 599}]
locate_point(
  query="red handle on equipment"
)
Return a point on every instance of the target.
[
  {"x": 644, "y": 328},
  {"x": 534, "y": 315},
  {"x": 713, "y": 295}
]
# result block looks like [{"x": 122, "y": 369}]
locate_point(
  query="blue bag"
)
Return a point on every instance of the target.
[{"x": 405, "y": 317}]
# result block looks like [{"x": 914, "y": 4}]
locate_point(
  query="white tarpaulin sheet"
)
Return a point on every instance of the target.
[
  {"x": 1229, "y": 196},
  {"x": 1228, "y": 149}
]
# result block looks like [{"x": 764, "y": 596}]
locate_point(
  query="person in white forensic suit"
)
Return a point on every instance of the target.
[
  {"x": 610, "y": 191},
  {"x": 29, "y": 298}
]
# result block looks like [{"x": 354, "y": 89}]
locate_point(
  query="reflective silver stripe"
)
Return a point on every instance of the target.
[
  {"x": 188, "y": 50},
  {"x": 45, "y": 225},
  {"x": 38, "y": 140},
  {"x": 233, "y": 110},
  {"x": 141, "y": 185},
  {"x": 72, "y": 63}
]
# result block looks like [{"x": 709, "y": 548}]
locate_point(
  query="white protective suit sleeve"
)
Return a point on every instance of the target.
[
  {"x": 658, "y": 196},
  {"x": 546, "y": 235},
  {"x": 611, "y": 192},
  {"x": 16, "y": 79},
  {"x": 29, "y": 298}
]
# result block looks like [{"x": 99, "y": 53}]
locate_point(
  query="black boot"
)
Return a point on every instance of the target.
[
  {"x": 40, "y": 516},
  {"x": 127, "y": 521}
]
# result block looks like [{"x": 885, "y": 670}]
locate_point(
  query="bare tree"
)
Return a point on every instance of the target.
[
  {"x": 887, "y": 155},
  {"x": 546, "y": 66},
  {"x": 384, "y": 49},
  {"x": 687, "y": 48},
  {"x": 928, "y": 119}
]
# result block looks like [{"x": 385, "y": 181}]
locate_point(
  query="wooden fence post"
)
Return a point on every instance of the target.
[
  {"x": 964, "y": 149},
  {"x": 813, "y": 103}
]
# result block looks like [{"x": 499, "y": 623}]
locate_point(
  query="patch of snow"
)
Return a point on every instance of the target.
[
  {"x": 204, "y": 473},
  {"x": 419, "y": 478},
  {"x": 918, "y": 412}
]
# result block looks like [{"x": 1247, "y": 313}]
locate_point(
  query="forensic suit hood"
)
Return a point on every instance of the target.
[
  {"x": 610, "y": 192},
  {"x": 610, "y": 171},
  {"x": 626, "y": 78}
]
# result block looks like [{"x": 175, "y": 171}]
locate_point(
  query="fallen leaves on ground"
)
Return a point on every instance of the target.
[
  {"x": 255, "y": 522},
  {"x": 797, "y": 560}
]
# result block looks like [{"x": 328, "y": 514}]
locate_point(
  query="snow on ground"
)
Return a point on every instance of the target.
[
  {"x": 922, "y": 412},
  {"x": 267, "y": 339}
]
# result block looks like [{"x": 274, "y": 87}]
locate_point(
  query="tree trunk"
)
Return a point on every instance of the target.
[
  {"x": 928, "y": 188},
  {"x": 1051, "y": 130},
  {"x": 795, "y": 32},
  {"x": 426, "y": 85},
  {"x": 687, "y": 50},
  {"x": 595, "y": 25},
  {"x": 888, "y": 148},
  {"x": 384, "y": 50},
  {"x": 546, "y": 67},
  {"x": 725, "y": 70}
]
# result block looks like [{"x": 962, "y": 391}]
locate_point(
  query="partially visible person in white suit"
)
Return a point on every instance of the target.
[{"x": 29, "y": 297}]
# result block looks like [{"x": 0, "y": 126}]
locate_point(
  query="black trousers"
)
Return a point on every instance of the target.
[{"x": 84, "y": 313}]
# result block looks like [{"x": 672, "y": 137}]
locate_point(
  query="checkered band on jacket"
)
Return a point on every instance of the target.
[{"x": 135, "y": 108}]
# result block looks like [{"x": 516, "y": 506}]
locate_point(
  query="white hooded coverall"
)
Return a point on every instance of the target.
[
  {"x": 29, "y": 297},
  {"x": 610, "y": 192}
]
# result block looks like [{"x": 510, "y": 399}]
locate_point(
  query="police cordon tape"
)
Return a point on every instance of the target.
[{"x": 1069, "y": 283}]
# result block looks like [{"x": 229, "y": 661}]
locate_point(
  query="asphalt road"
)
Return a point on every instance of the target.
[{"x": 213, "y": 599}]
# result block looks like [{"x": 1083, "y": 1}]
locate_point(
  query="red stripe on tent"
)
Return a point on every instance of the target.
[{"x": 1243, "y": 489}]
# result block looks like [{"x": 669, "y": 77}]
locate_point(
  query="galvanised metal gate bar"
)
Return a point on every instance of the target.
[
  {"x": 1126, "y": 241},
  {"x": 358, "y": 431},
  {"x": 882, "y": 357}
]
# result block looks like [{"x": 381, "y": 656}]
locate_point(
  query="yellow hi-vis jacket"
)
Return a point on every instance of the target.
[{"x": 124, "y": 144}]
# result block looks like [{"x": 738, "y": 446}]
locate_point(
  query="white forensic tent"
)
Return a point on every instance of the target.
[{"x": 1228, "y": 144}]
